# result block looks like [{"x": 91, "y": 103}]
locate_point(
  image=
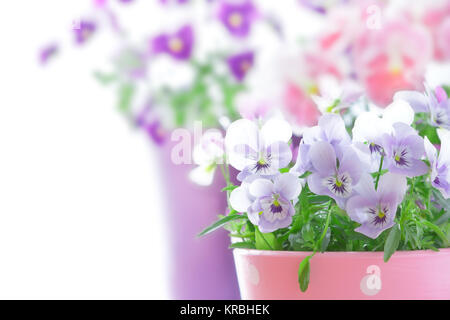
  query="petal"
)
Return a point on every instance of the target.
[
  {"x": 288, "y": 186},
  {"x": 334, "y": 128},
  {"x": 202, "y": 175},
  {"x": 392, "y": 188},
  {"x": 357, "y": 208},
  {"x": 281, "y": 154},
  {"x": 261, "y": 188},
  {"x": 316, "y": 185},
  {"x": 399, "y": 111},
  {"x": 403, "y": 131},
  {"x": 373, "y": 232},
  {"x": 444, "y": 153},
  {"x": 418, "y": 101},
  {"x": 366, "y": 187},
  {"x": 323, "y": 157},
  {"x": 351, "y": 164},
  {"x": 430, "y": 151},
  {"x": 276, "y": 130},
  {"x": 241, "y": 132},
  {"x": 416, "y": 145},
  {"x": 240, "y": 200}
]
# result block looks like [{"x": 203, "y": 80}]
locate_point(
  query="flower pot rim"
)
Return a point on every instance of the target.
[{"x": 340, "y": 254}]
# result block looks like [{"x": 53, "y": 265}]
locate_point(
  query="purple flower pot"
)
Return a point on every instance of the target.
[{"x": 200, "y": 268}]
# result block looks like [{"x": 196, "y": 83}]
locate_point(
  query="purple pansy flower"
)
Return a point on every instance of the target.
[
  {"x": 47, "y": 53},
  {"x": 436, "y": 103},
  {"x": 375, "y": 209},
  {"x": 404, "y": 149},
  {"x": 178, "y": 45},
  {"x": 258, "y": 151},
  {"x": 237, "y": 17},
  {"x": 440, "y": 165},
  {"x": 369, "y": 129},
  {"x": 84, "y": 30},
  {"x": 151, "y": 125},
  {"x": 240, "y": 64},
  {"x": 269, "y": 204},
  {"x": 332, "y": 175},
  {"x": 331, "y": 129}
]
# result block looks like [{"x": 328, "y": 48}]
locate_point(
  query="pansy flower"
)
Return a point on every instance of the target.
[
  {"x": 178, "y": 45},
  {"x": 436, "y": 103},
  {"x": 375, "y": 209},
  {"x": 269, "y": 204},
  {"x": 255, "y": 150},
  {"x": 336, "y": 96},
  {"x": 404, "y": 149},
  {"x": 440, "y": 165},
  {"x": 240, "y": 64},
  {"x": 237, "y": 17},
  {"x": 84, "y": 30},
  {"x": 369, "y": 129},
  {"x": 332, "y": 175},
  {"x": 48, "y": 53}
]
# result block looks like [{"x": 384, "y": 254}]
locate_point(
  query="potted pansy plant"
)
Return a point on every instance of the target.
[{"x": 362, "y": 212}]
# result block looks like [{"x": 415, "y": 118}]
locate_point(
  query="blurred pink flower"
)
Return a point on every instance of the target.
[
  {"x": 392, "y": 58},
  {"x": 299, "y": 104},
  {"x": 437, "y": 19}
]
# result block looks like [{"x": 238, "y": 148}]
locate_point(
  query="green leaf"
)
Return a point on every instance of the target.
[
  {"x": 266, "y": 241},
  {"x": 303, "y": 273},
  {"x": 229, "y": 188},
  {"x": 392, "y": 242},
  {"x": 105, "y": 78},
  {"x": 220, "y": 223},
  {"x": 447, "y": 89},
  {"x": 242, "y": 245},
  {"x": 126, "y": 93}
]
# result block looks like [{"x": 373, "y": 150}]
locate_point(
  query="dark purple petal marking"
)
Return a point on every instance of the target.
[
  {"x": 400, "y": 158},
  {"x": 340, "y": 185},
  {"x": 379, "y": 215},
  {"x": 376, "y": 148},
  {"x": 263, "y": 163}
]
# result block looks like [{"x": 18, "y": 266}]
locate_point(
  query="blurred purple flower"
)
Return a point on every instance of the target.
[
  {"x": 317, "y": 6},
  {"x": 47, "y": 53},
  {"x": 440, "y": 165},
  {"x": 237, "y": 17},
  {"x": 436, "y": 103},
  {"x": 268, "y": 204},
  {"x": 240, "y": 64},
  {"x": 178, "y": 45},
  {"x": 177, "y": 1},
  {"x": 151, "y": 125},
  {"x": 375, "y": 209},
  {"x": 331, "y": 175},
  {"x": 84, "y": 30},
  {"x": 404, "y": 149}
]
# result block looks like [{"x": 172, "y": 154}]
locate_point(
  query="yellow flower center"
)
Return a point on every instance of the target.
[
  {"x": 397, "y": 158},
  {"x": 276, "y": 203},
  {"x": 338, "y": 183},
  {"x": 381, "y": 214},
  {"x": 235, "y": 19},
  {"x": 175, "y": 45}
]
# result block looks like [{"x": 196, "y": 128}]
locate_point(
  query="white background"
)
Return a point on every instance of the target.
[{"x": 80, "y": 209}]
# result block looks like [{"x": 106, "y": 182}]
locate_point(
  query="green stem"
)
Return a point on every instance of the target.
[
  {"x": 324, "y": 232},
  {"x": 379, "y": 172}
]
